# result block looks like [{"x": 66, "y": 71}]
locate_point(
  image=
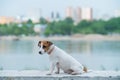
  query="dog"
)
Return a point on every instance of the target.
[{"x": 60, "y": 59}]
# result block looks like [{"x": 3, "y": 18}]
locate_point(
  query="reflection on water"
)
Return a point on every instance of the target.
[
  {"x": 96, "y": 55},
  {"x": 75, "y": 46},
  {"x": 16, "y": 47}
]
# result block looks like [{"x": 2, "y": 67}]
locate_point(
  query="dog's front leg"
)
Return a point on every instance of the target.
[
  {"x": 52, "y": 67},
  {"x": 58, "y": 68}
]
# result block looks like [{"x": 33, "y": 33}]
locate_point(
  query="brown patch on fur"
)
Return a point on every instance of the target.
[
  {"x": 46, "y": 45},
  {"x": 85, "y": 69}
]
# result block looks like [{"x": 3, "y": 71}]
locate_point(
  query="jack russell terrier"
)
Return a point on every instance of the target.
[{"x": 60, "y": 59}]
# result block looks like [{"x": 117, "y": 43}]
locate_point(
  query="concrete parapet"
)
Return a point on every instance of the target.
[{"x": 41, "y": 75}]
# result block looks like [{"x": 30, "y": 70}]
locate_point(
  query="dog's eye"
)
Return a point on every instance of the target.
[{"x": 44, "y": 46}]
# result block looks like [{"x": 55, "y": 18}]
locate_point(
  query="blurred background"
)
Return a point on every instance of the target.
[{"x": 89, "y": 30}]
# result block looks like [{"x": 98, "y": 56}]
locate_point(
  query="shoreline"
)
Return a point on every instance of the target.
[{"x": 89, "y": 37}]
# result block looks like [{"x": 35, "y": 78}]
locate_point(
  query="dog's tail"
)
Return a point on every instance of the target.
[{"x": 85, "y": 69}]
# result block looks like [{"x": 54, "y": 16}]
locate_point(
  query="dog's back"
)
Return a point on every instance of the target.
[{"x": 66, "y": 61}]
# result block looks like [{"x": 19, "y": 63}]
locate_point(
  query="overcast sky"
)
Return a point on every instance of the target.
[{"x": 34, "y": 7}]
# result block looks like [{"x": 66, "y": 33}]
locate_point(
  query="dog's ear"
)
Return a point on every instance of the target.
[
  {"x": 50, "y": 43},
  {"x": 39, "y": 43}
]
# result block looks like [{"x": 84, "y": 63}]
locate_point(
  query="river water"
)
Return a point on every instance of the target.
[{"x": 23, "y": 54}]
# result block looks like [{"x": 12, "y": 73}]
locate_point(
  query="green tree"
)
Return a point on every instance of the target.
[
  {"x": 98, "y": 27},
  {"x": 113, "y": 25},
  {"x": 83, "y": 27},
  {"x": 69, "y": 20},
  {"x": 64, "y": 27},
  {"x": 3, "y": 29},
  {"x": 50, "y": 29},
  {"x": 42, "y": 21}
]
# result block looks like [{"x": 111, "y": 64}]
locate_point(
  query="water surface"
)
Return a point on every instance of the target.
[{"x": 23, "y": 55}]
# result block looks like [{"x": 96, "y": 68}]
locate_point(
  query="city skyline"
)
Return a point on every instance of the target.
[
  {"x": 44, "y": 8},
  {"x": 78, "y": 14}
]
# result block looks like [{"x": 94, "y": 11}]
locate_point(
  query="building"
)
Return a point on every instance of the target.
[
  {"x": 69, "y": 12},
  {"x": 52, "y": 15},
  {"x": 117, "y": 13},
  {"x": 55, "y": 16},
  {"x": 86, "y": 14},
  {"x": 34, "y": 14},
  {"x": 7, "y": 20},
  {"x": 78, "y": 14}
]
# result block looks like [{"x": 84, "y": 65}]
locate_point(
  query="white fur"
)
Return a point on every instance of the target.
[{"x": 66, "y": 62}]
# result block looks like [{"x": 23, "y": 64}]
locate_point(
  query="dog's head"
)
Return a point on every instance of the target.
[{"x": 44, "y": 46}]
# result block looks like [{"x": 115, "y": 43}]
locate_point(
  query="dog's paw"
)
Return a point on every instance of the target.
[
  {"x": 56, "y": 72},
  {"x": 49, "y": 74},
  {"x": 74, "y": 73}
]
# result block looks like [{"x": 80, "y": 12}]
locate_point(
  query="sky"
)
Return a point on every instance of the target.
[{"x": 45, "y": 7}]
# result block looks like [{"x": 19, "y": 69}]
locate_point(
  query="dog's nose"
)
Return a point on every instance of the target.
[{"x": 40, "y": 52}]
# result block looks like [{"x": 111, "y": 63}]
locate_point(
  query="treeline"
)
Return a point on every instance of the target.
[
  {"x": 63, "y": 27},
  {"x": 25, "y": 28},
  {"x": 67, "y": 27}
]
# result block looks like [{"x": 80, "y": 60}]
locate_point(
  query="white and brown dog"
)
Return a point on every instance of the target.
[{"x": 60, "y": 59}]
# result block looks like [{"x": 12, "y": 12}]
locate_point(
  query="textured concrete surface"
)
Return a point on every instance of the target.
[{"x": 41, "y": 75}]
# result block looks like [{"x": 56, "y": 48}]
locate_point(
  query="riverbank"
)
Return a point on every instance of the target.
[
  {"x": 89, "y": 37},
  {"x": 41, "y": 75}
]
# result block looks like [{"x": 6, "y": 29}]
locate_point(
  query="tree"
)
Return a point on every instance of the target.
[
  {"x": 83, "y": 27},
  {"x": 98, "y": 27},
  {"x": 113, "y": 25},
  {"x": 64, "y": 27},
  {"x": 69, "y": 20},
  {"x": 50, "y": 29},
  {"x": 42, "y": 21}
]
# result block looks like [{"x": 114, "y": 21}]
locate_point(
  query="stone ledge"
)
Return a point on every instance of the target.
[{"x": 41, "y": 75}]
